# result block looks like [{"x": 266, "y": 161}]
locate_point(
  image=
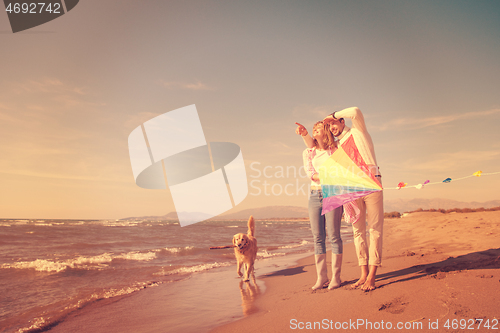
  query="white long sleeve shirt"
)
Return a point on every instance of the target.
[{"x": 361, "y": 137}]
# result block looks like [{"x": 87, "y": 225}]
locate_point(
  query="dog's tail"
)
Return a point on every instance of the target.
[{"x": 251, "y": 227}]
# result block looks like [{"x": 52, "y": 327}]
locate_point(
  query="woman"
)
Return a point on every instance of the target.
[{"x": 324, "y": 146}]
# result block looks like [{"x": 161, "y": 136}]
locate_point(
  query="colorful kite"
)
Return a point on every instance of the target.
[
  {"x": 401, "y": 185},
  {"x": 345, "y": 177},
  {"x": 419, "y": 186}
]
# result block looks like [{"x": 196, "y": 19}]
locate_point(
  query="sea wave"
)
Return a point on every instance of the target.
[
  {"x": 265, "y": 254},
  {"x": 36, "y": 325},
  {"x": 89, "y": 263},
  {"x": 41, "y": 323},
  {"x": 177, "y": 250},
  {"x": 293, "y": 246},
  {"x": 193, "y": 269}
]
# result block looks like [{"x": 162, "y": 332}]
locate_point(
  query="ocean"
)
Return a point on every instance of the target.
[{"x": 50, "y": 269}]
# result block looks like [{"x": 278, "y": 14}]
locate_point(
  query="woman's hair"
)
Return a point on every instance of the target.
[{"x": 328, "y": 140}]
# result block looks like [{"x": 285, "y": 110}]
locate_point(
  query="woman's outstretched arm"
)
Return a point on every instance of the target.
[{"x": 302, "y": 131}]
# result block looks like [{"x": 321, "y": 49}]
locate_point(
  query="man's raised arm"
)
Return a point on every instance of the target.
[{"x": 353, "y": 113}]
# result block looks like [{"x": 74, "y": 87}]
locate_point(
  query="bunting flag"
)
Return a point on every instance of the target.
[
  {"x": 447, "y": 180},
  {"x": 345, "y": 177}
]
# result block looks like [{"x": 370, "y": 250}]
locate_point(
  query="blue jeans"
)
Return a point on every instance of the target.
[{"x": 330, "y": 220}]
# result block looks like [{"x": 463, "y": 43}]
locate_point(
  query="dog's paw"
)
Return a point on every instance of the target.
[{"x": 240, "y": 274}]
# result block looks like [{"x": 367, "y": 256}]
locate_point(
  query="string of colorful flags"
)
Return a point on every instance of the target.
[{"x": 447, "y": 180}]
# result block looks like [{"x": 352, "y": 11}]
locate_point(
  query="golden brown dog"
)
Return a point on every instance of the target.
[{"x": 245, "y": 249}]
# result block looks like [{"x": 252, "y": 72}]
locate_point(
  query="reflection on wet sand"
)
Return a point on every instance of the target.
[{"x": 249, "y": 292}]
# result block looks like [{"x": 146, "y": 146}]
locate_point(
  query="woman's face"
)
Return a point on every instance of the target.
[{"x": 318, "y": 132}]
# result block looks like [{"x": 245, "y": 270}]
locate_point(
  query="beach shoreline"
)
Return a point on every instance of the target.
[
  {"x": 197, "y": 302},
  {"x": 440, "y": 273},
  {"x": 86, "y": 263},
  {"x": 438, "y": 270}
]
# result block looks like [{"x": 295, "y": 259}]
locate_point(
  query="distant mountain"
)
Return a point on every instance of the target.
[
  {"x": 268, "y": 212},
  {"x": 283, "y": 212},
  {"x": 405, "y": 205}
]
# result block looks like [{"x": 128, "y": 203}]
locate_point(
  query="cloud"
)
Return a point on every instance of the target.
[
  {"x": 134, "y": 120},
  {"x": 452, "y": 161},
  {"x": 198, "y": 85},
  {"x": 4, "y": 118},
  {"x": 418, "y": 123},
  {"x": 278, "y": 146},
  {"x": 46, "y": 85},
  {"x": 59, "y": 175},
  {"x": 50, "y": 127},
  {"x": 42, "y": 98},
  {"x": 317, "y": 112}
]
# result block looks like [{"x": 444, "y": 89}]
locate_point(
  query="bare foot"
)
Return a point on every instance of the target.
[
  {"x": 360, "y": 282},
  {"x": 369, "y": 284},
  {"x": 362, "y": 279}
]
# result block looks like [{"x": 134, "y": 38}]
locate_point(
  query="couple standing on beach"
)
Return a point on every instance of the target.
[{"x": 327, "y": 134}]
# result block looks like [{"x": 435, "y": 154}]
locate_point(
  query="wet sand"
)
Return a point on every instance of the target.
[{"x": 196, "y": 303}]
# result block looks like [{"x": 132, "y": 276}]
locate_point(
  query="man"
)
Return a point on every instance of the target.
[{"x": 369, "y": 259}]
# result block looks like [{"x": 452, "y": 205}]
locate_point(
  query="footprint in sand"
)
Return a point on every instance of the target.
[{"x": 396, "y": 306}]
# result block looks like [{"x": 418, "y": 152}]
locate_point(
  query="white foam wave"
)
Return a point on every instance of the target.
[
  {"x": 178, "y": 249},
  {"x": 124, "y": 291},
  {"x": 293, "y": 246},
  {"x": 120, "y": 223},
  {"x": 264, "y": 254},
  {"x": 197, "y": 268},
  {"x": 98, "y": 262},
  {"x": 39, "y": 265},
  {"x": 137, "y": 256},
  {"x": 43, "y": 224},
  {"x": 38, "y": 323}
]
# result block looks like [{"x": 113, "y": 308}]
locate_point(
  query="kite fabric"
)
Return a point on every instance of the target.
[
  {"x": 345, "y": 177},
  {"x": 401, "y": 185}
]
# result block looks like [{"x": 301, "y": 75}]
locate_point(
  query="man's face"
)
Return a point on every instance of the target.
[{"x": 336, "y": 127}]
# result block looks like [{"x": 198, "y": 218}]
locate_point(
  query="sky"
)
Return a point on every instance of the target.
[{"x": 425, "y": 74}]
